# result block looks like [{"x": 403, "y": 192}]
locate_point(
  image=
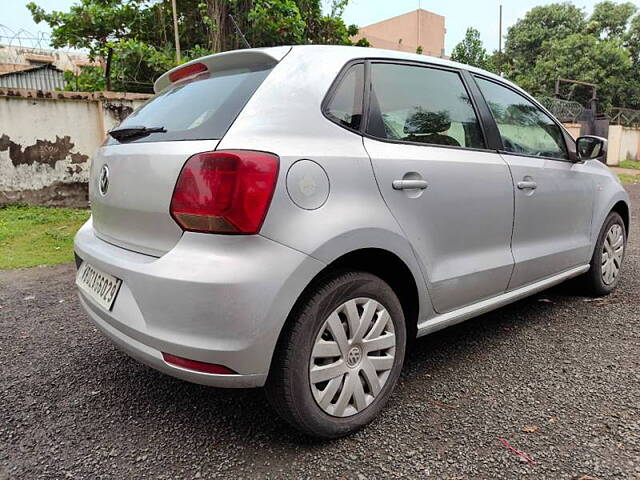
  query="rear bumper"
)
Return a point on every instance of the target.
[{"x": 215, "y": 299}]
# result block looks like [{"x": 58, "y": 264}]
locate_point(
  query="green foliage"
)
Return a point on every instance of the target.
[
  {"x": 581, "y": 56},
  {"x": 89, "y": 79},
  {"x": 470, "y": 50},
  {"x": 92, "y": 24},
  {"x": 561, "y": 40},
  {"x": 610, "y": 20},
  {"x": 525, "y": 39},
  {"x": 134, "y": 39},
  {"x": 625, "y": 178},
  {"x": 275, "y": 22},
  {"x": 32, "y": 236},
  {"x": 632, "y": 40},
  {"x": 632, "y": 164}
]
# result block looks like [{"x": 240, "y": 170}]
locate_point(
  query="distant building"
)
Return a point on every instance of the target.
[
  {"x": 410, "y": 32},
  {"x": 37, "y": 68}
]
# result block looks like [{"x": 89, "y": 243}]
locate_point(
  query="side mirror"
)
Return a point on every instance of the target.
[{"x": 591, "y": 147}]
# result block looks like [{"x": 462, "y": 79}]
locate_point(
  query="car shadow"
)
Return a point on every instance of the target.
[{"x": 243, "y": 415}]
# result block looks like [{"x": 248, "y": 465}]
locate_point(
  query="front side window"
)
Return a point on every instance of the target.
[
  {"x": 524, "y": 128},
  {"x": 345, "y": 106},
  {"x": 423, "y": 105}
]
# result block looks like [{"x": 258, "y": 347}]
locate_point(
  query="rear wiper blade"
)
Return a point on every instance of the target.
[{"x": 131, "y": 132}]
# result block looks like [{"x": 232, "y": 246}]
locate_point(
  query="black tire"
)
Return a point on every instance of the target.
[
  {"x": 593, "y": 280},
  {"x": 288, "y": 388}
]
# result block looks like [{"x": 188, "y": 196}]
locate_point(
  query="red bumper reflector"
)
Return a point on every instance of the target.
[{"x": 197, "y": 366}]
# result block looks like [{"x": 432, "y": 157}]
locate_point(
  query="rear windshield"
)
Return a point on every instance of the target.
[{"x": 202, "y": 109}]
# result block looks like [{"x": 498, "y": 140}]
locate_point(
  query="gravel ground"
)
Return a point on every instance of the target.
[{"x": 556, "y": 376}]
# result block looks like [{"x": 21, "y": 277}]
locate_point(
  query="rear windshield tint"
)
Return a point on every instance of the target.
[{"x": 202, "y": 109}]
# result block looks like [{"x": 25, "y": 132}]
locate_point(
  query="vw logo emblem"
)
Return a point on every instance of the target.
[
  {"x": 103, "y": 181},
  {"x": 354, "y": 356}
]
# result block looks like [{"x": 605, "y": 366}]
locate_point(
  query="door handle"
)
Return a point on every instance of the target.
[
  {"x": 409, "y": 184},
  {"x": 527, "y": 185}
]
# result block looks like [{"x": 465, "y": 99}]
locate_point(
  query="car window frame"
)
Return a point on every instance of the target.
[
  {"x": 335, "y": 85},
  {"x": 373, "y": 111},
  {"x": 480, "y": 108},
  {"x": 569, "y": 141}
]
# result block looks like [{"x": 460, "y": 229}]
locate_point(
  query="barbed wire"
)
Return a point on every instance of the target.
[{"x": 563, "y": 110}]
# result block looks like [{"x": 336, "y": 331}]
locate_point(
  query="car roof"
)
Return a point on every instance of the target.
[
  {"x": 343, "y": 53},
  {"x": 378, "y": 53}
]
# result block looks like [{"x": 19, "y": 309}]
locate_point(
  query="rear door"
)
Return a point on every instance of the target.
[
  {"x": 450, "y": 193},
  {"x": 553, "y": 195}
]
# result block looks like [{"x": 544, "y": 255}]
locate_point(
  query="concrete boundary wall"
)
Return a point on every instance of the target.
[
  {"x": 624, "y": 144},
  {"x": 47, "y": 140}
]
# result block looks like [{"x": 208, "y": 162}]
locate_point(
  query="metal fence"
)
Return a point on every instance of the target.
[{"x": 625, "y": 117}]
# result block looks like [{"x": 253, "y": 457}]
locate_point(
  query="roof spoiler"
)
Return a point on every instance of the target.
[{"x": 222, "y": 61}]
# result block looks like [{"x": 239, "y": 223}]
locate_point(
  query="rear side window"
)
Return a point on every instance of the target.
[
  {"x": 524, "y": 128},
  {"x": 345, "y": 105},
  {"x": 423, "y": 105},
  {"x": 201, "y": 109}
]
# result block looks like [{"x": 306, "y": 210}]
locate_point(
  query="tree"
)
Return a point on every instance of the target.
[
  {"x": 275, "y": 22},
  {"x": 560, "y": 40},
  {"x": 610, "y": 20},
  {"x": 134, "y": 38},
  {"x": 92, "y": 24},
  {"x": 583, "y": 57},
  {"x": 470, "y": 50},
  {"x": 632, "y": 40},
  {"x": 526, "y": 38}
]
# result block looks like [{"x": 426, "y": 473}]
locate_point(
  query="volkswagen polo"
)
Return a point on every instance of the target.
[{"x": 291, "y": 217}]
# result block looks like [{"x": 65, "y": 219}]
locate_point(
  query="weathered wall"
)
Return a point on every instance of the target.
[
  {"x": 573, "y": 129},
  {"x": 624, "y": 144},
  {"x": 47, "y": 140}
]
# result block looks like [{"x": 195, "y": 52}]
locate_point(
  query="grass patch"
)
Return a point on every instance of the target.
[
  {"x": 32, "y": 236},
  {"x": 633, "y": 164},
  {"x": 624, "y": 178}
]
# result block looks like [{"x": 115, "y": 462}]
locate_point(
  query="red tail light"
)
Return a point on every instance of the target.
[
  {"x": 225, "y": 192},
  {"x": 196, "y": 365},
  {"x": 187, "y": 71}
]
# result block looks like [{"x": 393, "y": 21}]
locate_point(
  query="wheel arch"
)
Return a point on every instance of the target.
[
  {"x": 377, "y": 261},
  {"x": 622, "y": 209}
]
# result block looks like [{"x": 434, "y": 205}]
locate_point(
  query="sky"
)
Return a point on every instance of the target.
[{"x": 459, "y": 15}]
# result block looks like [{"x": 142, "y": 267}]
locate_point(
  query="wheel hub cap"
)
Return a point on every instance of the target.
[
  {"x": 612, "y": 254},
  {"x": 352, "y": 357}
]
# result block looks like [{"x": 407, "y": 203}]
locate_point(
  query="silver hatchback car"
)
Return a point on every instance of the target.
[{"x": 291, "y": 217}]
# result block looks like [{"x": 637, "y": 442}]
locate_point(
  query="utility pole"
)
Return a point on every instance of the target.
[
  {"x": 500, "y": 31},
  {"x": 175, "y": 30}
]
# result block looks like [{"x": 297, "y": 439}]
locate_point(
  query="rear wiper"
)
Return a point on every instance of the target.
[{"x": 126, "y": 133}]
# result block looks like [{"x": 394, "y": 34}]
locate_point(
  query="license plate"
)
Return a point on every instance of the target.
[{"x": 99, "y": 286}]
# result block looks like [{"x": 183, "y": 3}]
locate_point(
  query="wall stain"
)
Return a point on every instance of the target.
[
  {"x": 118, "y": 111},
  {"x": 43, "y": 151},
  {"x": 58, "y": 194},
  {"x": 79, "y": 158}
]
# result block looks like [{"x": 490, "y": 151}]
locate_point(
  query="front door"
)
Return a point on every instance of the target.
[
  {"x": 452, "y": 197},
  {"x": 553, "y": 196}
]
